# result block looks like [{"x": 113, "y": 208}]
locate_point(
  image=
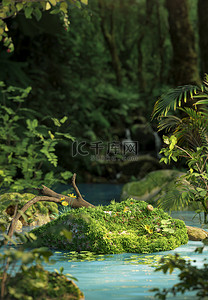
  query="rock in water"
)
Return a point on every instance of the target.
[
  {"x": 196, "y": 234},
  {"x": 128, "y": 226}
]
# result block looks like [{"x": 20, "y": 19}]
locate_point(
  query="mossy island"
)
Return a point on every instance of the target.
[{"x": 127, "y": 227}]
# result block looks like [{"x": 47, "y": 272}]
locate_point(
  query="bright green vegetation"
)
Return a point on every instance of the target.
[
  {"x": 119, "y": 227},
  {"x": 36, "y": 283},
  {"x": 9, "y": 200}
]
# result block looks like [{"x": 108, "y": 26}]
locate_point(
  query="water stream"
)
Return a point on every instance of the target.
[
  {"x": 127, "y": 276},
  {"x": 124, "y": 276}
]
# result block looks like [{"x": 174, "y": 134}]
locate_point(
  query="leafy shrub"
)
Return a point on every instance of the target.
[
  {"x": 36, "y": 283},
  {"x": 27, "y": 147},
  {"x": 191, "y": 277}
]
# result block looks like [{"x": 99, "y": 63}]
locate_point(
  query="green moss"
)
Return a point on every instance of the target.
[
  {"x": 9, "y": 200},
  {"x": 127, "y": 226},
  {"x": 153, "y": 186},
  {"x": 37, "y": 283}
]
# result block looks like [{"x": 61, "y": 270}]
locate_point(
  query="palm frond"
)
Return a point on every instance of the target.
[
  {"x": 174, "y": 99},
  {"x": 193, "y": 129},
  {"x": 168, "y": 123},
  {"x": 203, "y": 101},
  {"x": 172, "y": 200}
]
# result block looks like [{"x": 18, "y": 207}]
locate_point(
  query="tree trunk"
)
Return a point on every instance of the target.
[
  {"x": 203, "y": 36},
  {"x": 184, "y": 67},
  {"x": 108, "y": 30},
  {"x": 161, "y": 42},
  {"x": 142, "y": 84}
]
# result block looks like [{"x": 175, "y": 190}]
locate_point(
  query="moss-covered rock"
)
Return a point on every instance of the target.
[
  {"x": 37, "y": 283},
  {"x": 151, "y": 188},
  {"x": 129, "y": 226},
  {"x": 37, "y": 214}
]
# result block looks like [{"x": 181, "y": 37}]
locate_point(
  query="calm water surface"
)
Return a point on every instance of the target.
[{"x": 124, "y": 276}]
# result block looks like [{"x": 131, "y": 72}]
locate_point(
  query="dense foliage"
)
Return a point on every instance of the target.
[
  {"x": 36, "y": 283},
  {"x": 120, "y": 227},
  {"x": 31, "y": 9},
  {"x": 189, "y": 140},
  {"x": 27, "y": 147},
  {"x": 105, "y": 72}
]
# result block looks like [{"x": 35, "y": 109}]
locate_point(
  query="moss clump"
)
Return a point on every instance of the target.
[
  {"x": 119, "y": 227},
  {"x": 9, "y": 200},
  {"x": 37, "y": 283}
]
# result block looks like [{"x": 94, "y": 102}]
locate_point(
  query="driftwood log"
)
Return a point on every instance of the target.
[{"x": 49, "y": 195}]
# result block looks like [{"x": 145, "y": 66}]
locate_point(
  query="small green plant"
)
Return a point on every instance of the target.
[
  {"x": 27, "y": 146},
  {"x": 165, "y": 226}
]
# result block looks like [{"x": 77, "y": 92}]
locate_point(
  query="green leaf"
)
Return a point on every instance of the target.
[
  {"x": 55, "y": 11},
  {"x": 28, "y": 12},
  {"x": 84, "y": 2},
  {"x": 63, "y": 120},
  {"x": 56, "y": 122},
  {"x": 166, "y": 140},
  {"x": 19, "y": 6},
  {"x": 63, "y": 7},
  {"x": 71, "y": 277},
  {"x": 66, "y": 135},
  {"x": 51, "y": 135},
  {"x": 53, "y": 2},
  {"x": 66, "y": 175},
  {"x": 37, "y": 13}
]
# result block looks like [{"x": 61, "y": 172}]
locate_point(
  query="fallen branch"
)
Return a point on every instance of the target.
[{"x": 50, "y": 196}]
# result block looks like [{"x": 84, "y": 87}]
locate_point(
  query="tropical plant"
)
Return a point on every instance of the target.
[{"x": 189, "y": 140}]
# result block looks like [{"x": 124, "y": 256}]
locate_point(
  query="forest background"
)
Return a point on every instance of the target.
[{"x": 106, "y": 73}]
